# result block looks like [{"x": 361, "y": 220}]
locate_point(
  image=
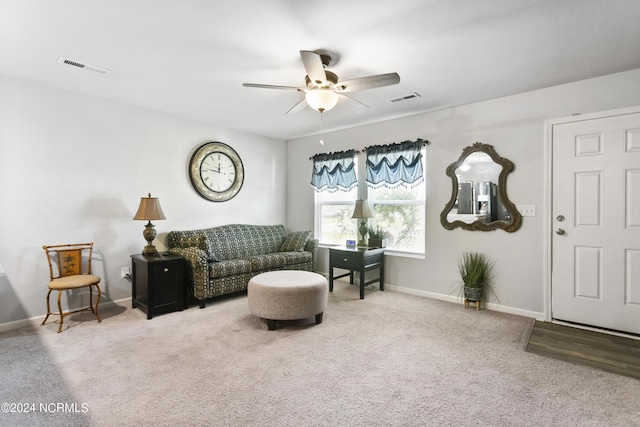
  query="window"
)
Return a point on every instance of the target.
[
  {"x": 400, "y": 211},
  {"x": 333, "y": 222},
  {"x": 396, "y": 192},
  {"x": 334, "y": 179},
  {"x": 396, "y": 189}
]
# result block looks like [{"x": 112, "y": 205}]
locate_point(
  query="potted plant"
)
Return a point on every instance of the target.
[
  {"x": 476, "y": 274},
  {"x": 377, "y": 237}
]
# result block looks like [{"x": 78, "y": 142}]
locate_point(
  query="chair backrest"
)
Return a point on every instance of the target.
[{"x": 69, "y": 259}]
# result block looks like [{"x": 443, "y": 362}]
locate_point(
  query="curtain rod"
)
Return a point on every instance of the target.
[
  {"x": 355, "y": 151},
  {"x": 423, "y": 141}
]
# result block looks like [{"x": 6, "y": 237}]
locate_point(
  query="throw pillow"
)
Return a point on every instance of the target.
[
  {"x": 208, "y": 248},
  {"x": 191, "y": 242},
  {"x": 295, "y": 241},
  {"x": 200, "y": 242}
]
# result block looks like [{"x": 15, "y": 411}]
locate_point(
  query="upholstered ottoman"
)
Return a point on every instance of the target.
[{"x": 287, "y": 295}]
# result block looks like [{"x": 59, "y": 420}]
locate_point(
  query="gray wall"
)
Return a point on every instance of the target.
[{"x": 515, "y": 126}]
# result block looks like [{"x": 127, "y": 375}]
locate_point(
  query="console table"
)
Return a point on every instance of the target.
[{"x": 356, "y": 259}]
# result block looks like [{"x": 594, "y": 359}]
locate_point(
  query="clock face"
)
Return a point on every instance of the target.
[{"x": 216, "y": 171}]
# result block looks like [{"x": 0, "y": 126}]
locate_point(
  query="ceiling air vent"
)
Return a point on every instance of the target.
[
  {"x": 405, "y": 97},
  {"x": 87, "y": 67}
]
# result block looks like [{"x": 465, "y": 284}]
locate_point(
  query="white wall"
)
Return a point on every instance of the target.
[
  {"x": 73, "y": 168},
  {"x": 515, "y": 126}
]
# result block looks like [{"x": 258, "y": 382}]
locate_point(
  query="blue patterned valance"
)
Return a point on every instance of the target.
[
  {"x": 394, "y": 165},
  {"x": 334, "y": 171}
]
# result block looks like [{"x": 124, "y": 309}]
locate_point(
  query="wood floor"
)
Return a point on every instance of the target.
[{"x": 603, "y": 351}]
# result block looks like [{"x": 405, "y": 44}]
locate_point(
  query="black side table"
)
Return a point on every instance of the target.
[
  {"x": 157, "y": 283},
  {"x": 356, "y": 259}
]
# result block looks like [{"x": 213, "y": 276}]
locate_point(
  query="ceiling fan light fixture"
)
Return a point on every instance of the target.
[
  {"x": 322, "y": 89},
  {"x": 321, "y": 99}
]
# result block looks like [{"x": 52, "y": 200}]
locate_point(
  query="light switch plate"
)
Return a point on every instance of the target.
[{"x": 527, "y": 210}]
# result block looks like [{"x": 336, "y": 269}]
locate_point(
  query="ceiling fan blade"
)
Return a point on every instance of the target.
[
  {"x": 313, "y": 65},
  {"x": 369, "y": 82},
  {"x": 298, "y": 107},
  {"x": 352, "y": 102},
  {"x": 272, "y": 86}
]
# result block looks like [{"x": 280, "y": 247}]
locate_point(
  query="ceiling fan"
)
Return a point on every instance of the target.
[{"x": 323, "y": 90}]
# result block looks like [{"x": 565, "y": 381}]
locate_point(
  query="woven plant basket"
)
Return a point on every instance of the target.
[{"x": 472, "y": 294}]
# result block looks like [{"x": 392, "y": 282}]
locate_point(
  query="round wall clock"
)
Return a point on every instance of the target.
[{"x": 216, "y": 171}]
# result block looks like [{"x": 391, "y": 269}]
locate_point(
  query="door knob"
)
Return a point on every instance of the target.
[{"x": 559, "y": 231}]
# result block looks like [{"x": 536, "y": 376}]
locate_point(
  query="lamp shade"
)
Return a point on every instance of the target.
[
  {"x": 321, "y": 99},
  {"x": 362, "y": 210},
  {"x": 149, "y": 209}
]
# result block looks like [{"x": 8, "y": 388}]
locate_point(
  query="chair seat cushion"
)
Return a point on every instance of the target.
[{"x": 72, "y": 282}]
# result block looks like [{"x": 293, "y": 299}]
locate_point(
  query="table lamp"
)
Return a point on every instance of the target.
[
  {"x": 362, "y": 211},
  {"x": 148, "y": 210}
]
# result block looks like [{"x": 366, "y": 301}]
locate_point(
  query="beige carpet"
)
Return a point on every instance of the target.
[{"x": 388, "y": 360}]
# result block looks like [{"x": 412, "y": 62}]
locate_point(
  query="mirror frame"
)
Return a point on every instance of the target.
[{"x": 507, "y": 167}]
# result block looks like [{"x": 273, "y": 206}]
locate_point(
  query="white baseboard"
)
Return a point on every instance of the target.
[
  {"x": 37, "y": 320},
  {"x": 455, "y": 299},
  {"x": 458, "y": 300},
  {"x": 7, "y": 326}
]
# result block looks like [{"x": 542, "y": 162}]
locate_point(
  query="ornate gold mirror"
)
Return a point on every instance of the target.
[{"x": 479, "y": 198}]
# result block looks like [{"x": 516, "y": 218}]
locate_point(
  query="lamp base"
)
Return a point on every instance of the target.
[
  {"x": 362, "y": 243},
  {"x": 149, "y": 234},
  {"x": 149, "y": 250}
]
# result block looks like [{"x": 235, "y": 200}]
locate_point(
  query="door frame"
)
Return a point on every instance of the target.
[{"x": 548, "y": 191}]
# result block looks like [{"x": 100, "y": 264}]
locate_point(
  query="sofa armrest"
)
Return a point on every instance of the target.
[
  {"x": 196, "y": 269},
  {"x": 312, "y": 246}
]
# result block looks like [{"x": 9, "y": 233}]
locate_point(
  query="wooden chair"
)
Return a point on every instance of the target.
[{"x": 72, "y": 273}]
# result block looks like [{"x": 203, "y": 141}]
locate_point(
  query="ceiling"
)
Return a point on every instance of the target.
[{"x": 190, "y": 57}]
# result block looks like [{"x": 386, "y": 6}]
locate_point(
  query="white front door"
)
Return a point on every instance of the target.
[{"x": 595, "y": 276}]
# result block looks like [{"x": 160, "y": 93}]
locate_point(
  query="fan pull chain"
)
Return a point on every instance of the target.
[{"x": 321, "y": 128}]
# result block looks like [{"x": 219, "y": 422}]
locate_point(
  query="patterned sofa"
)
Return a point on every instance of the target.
[{"x": 221, "y": 260}]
